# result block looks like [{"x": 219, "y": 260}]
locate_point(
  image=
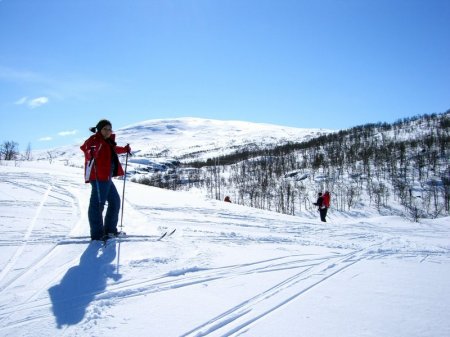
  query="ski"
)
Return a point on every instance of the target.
[
  {"x": 166, "y": 234},
  {"x": 162, "y": 236},
  {"x": 121, "y": 238}
]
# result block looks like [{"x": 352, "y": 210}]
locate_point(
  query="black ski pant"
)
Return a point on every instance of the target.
[
  {"x": 107, "y": 192},
  {"x": 323, "y": 214}
]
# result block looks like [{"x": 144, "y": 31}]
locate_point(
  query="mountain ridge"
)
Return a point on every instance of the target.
[{"x": 199, "y": 138}]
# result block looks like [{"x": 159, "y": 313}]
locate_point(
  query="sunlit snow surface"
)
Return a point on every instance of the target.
[{"x": 228, "y": 270}]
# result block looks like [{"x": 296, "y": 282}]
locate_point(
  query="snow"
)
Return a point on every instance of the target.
[
  {"x": 189, "y": 138},
  {"x": 228, "y": 270},
  {"x": 207, "y": 138}
]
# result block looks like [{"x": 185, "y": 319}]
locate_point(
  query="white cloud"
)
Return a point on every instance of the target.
[
  {"x": 37, "y": 102},
  {"x": 67, "y": 133},
  {"x": 32, "y": 103},
  {"x": 45, "y": 139}
]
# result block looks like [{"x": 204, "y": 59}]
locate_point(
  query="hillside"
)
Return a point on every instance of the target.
[{"x": 401, "y": 168}]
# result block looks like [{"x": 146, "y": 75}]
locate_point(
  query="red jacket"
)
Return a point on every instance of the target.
[
  {"x": 326, "y": 199},
  {"x": 105, "y": 155}
]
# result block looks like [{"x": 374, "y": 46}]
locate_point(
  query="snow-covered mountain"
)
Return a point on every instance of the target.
[
  {"x": 199, "y": 138},
  {"x": 192, "y": 138}
]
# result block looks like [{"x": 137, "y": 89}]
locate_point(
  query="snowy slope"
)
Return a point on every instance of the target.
[
  {"x": 227, "y": 271},
  {"x": 207, "y": 138},
  {"x": 192, "y": 138}
]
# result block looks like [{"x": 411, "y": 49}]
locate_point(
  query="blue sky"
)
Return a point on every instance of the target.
[{"x": 303, "y": 63}]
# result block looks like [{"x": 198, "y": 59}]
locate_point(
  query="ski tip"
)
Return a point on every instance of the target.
[
  {"x": 166, "y": 234},
  {"x": 162, "y": 236}
]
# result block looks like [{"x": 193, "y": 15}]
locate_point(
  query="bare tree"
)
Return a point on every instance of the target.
[
  {"x": 28, "y": 155},
  {"x": 9, "y": 150}
]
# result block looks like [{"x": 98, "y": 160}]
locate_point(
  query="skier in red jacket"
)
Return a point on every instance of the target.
[
  {"x": 101, "y": 164},
  {"x": 323, "y": 203}
]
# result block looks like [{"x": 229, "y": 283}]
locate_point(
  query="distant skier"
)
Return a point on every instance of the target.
[
  {"x": 322, "y": 208},
  {"x": 227, "y": 199},
  {"x": 101, "y": 164}
]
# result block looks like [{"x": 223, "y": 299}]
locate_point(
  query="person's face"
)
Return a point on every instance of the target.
[{"x": 106, "y": 131}]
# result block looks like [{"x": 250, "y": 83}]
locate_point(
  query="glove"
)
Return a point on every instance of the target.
[{"x": 128, "y": 148}]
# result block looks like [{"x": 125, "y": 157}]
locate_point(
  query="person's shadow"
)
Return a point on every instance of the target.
[{"x": 79, "y": 286}]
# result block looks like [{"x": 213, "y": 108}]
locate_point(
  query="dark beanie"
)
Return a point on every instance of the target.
[{"x": 100, "y": 125}]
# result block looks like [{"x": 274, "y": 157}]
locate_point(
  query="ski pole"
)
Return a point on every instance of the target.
[
  {"x": 123, "y": 191},
  {"x": 100, "y": 210},
  {"x": 96, "y": 177}
]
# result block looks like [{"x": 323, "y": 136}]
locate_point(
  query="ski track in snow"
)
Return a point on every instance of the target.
[
  {"x": 26, "y": 237},
  {"x": 182, "y": 266},
  {"x": 311, "y": 273},
  {"x": 249, "y": 310}
]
